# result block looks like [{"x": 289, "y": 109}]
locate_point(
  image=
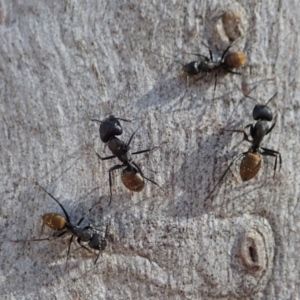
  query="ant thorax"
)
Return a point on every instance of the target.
[
  {"x": 207, "y": 66},
  {"x": 85, "y": 234},
  {"x": 117, "y": 147},
  {"x": 258, "y": 132}
]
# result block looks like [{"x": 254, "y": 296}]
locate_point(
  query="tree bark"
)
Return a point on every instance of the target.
[{"x": 65, "y": 62}]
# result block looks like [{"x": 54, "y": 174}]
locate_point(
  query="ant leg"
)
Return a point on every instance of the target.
[
  {"x": 271, "y": 128},
  {"x": 42, "y": 229},
  {"x": 187, "y": 86},
  {"x": 225, "y": 51},
  {"x": 200, "y": 78},
  {"x": 103, "y": 158},
  {"x": 147, "y": 50},
  {"x": 144, "y": 151},
  {"x": 114, "y": 118},
  {"x": 247, "y": 126},
  {"x": 247, "y": 96},
  {"x": 42, "y": 239},
  {"x": 210, "y": 53},
  {"x": 83, "y": 246},
  {"x": 82, "y": 218},
  {"x": 204, "y": 44},
  {"x": 99, "y": 252},
  {"x": 32, "y": 240},
  {"x": 194, "y": 82},
  {"x": 216, "y": 79},
  {"x": 232, "y": 162},
  {"x": 199, "y": 55},
  {"x": 65, "y": 212},
  {"x": 232, "y": 72},
  {"x": 128, "y": 143},
  {"x": 116, "y": 167},
  {"x": 69, "y": 248},
  {"x": 138, "y": 168},
  {"x": 246, "y": 138},
  {"x": 276, "y": 154}
]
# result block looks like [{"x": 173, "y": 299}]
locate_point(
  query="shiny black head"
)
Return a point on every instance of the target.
[
  {"x": 110, "y": 127},
  {"x": 191, "y": 68},
  {"x": 98, "y": 242},
  {"x": 262, "y": 112}
]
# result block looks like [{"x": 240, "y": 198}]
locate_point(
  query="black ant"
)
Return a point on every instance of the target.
[
  {"x": 251, "y": 162},
  {"x": 132, "y": 176},
  {"x": 63, "y": 224},
  {"x": 207, "y": 64}
]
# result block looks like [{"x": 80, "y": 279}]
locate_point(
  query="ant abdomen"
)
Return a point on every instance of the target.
[
  {"x": 132, "y": 179},
  {"x": 117, "y": 146},
  {"x": 250, "y": 165},
  {"x": 235, "y": 60},
  {"x": 54, "y": 221}
]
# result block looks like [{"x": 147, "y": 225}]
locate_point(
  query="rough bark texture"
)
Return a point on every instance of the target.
[{"x": 64, "y": 62}]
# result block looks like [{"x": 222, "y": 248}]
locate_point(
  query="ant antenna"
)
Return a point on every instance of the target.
[
  {"x": 167, "y": 57},
  {"x": 272, "y": 98},
  {"x": 101, "y": 121},
  {"x": 65, "y": 212}
]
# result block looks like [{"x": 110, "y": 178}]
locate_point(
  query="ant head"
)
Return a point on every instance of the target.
[
  {"x": 132, "y": 179},
  {"x": 191, "y": 68},
  {"x": 263, "y": 112},
  {"x": 54, "y": 221},
  {"x": 98, "y": 242},
  {"x": 110, "y": 127}
]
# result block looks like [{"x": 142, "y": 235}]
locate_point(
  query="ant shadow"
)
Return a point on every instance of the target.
[{"x": 172, "y": 91}]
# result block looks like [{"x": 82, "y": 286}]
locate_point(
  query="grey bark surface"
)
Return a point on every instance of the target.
[{"x": 65, "y": 62}]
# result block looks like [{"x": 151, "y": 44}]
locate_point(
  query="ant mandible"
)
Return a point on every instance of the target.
[
  {"x": 251, "y": 162},
  {"x": 62, "y": 225},
  {"x": 131, "y": 176}
]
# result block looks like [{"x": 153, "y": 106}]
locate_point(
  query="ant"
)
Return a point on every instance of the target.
[
  {"x": 251, "y": 162},
  {"x": 58, "y": 222},
  {"x": 132, "y": 176},
  {"x": 207, "y": 64}
]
